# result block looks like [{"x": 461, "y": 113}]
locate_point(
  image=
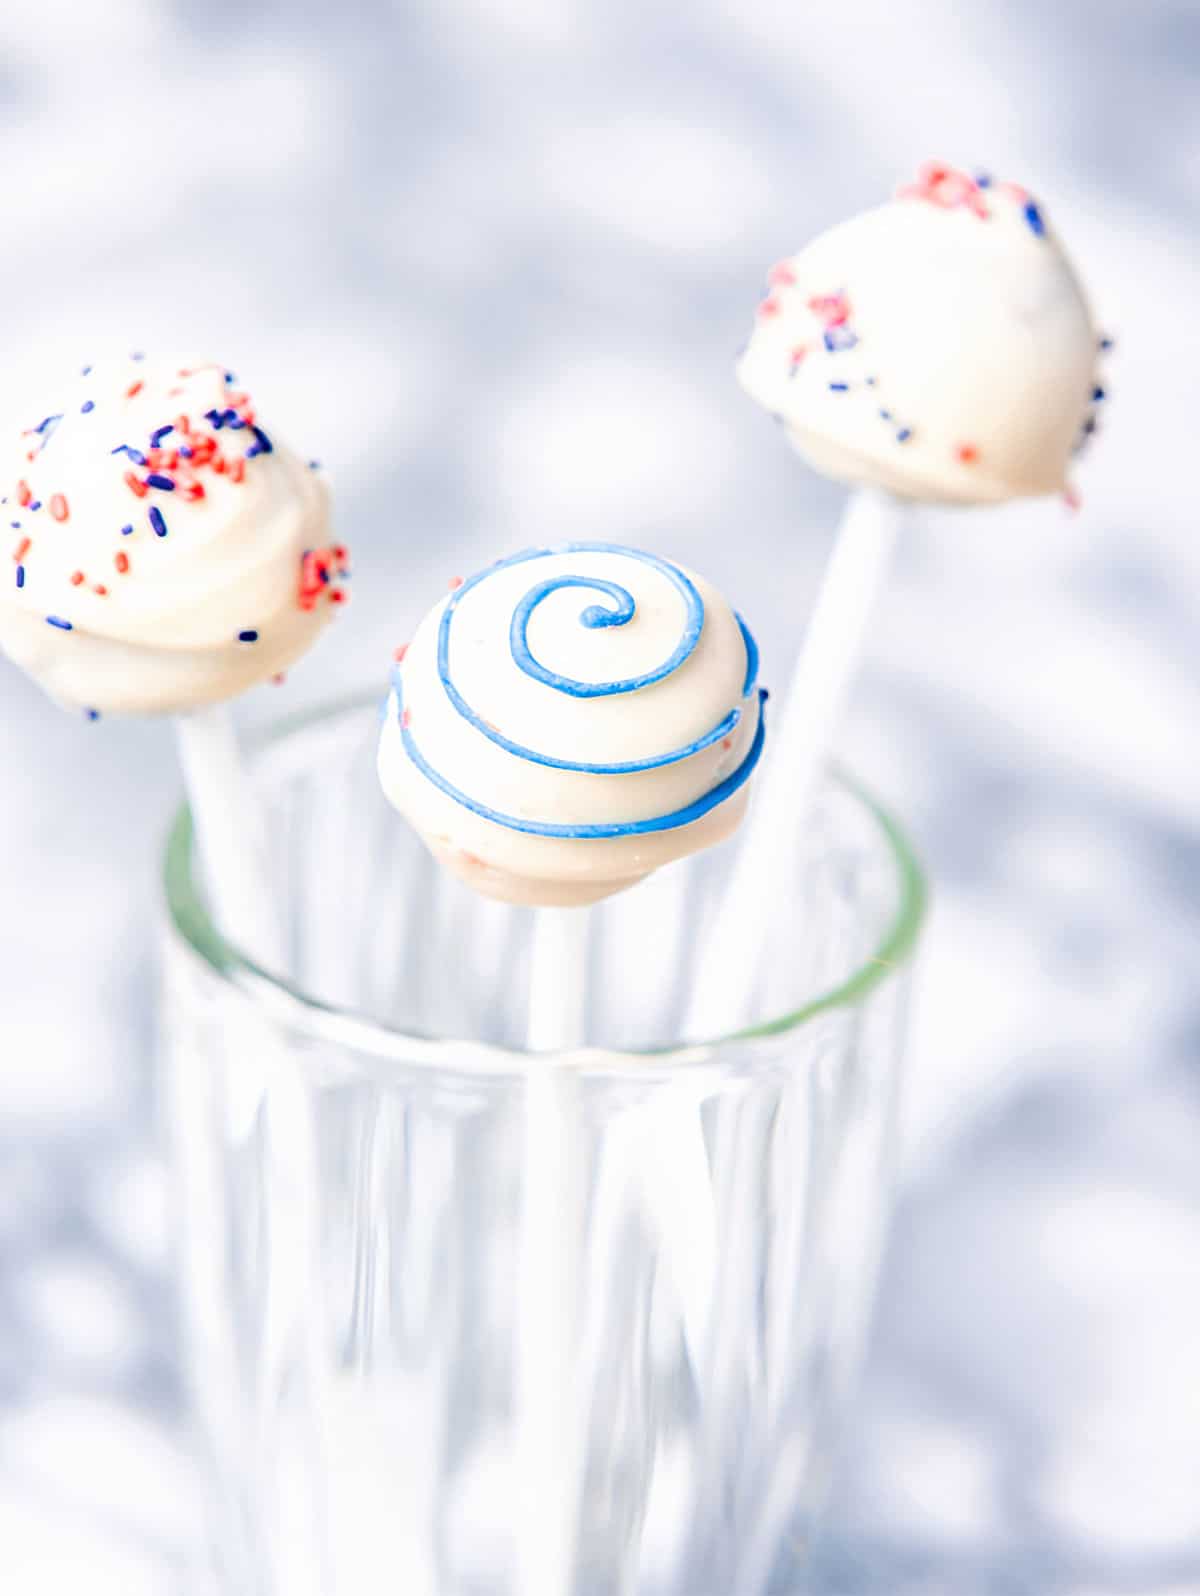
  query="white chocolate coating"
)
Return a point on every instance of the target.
[
  {"x": 939, "y": 347},
  {"x": 442, "y": 769},
  {"x": 231, "y": 593}
]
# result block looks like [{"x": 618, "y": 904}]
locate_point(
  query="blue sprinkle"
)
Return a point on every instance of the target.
[
  {"x": 871, "y": 382},
  {"x": 155, "y": 480},
  {"x": 156, "y": 521},
  {"x": 159, "y": 433},
  {"x": 57, "y": 620},
  {"x": 126, "y": 530},
  {"x": 324, "y": 576},
  {"x": 886, "y": 414},
  {"x": 215, "y": 417},
  {"x": 88, "y": 404},
  {"x": 230, "y": 377},
  {"x": 16, "y": 525},
  {"x": 248, "y": 636},
  {"x": 314, "y": 465},
  {"x": 20, "y": 576},
  {"x": 983, "y": 179},
  {"x": 36, "y": 505},
  {"x": 134, "y": 454},
  {"x": 839, "y": 338},
  {"x": 138, "y": 354},
  {"x": 840, "y": 387},
  {"x": 264, "y": 443},
  {"x": 185, "y": 451},
  {"x": 1034, "y": 217},
  {"x": 1106, "y": 344},
  {"x": 92, "y": 714},
  {"x": 904, "y": 435},
  {"x": 87, "y": 371},
  {"x": 1098, "y": 393}
]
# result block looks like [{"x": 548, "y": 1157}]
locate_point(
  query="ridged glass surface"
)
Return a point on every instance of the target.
[{"x": 350, "y": 1165}]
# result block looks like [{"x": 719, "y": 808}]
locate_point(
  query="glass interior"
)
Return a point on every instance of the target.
[{"x": 399, "y": 984}]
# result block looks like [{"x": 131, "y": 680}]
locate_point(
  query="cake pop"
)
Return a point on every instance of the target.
[
  {"x": 570, "y": 719},
  {"x": 167, "y": 551},
  {"x": 939, "y": 347}
]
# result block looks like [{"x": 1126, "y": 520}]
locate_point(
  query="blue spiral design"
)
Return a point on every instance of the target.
[
  {"x": 594, "y": 616},
  {"x": 617, "y": 609}
]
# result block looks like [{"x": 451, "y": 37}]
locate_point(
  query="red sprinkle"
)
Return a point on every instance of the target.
[
  {"x": 76, "y": 578},
  {"x": 781, "y": 276},
  {"x": 59, "y": 508},
  {"x": 769, "y": 307},
  {"x": 967, "y": 453},
  {"x": 134, "y": 389},
  {"x": 833, "y": 309},
  {"x": 1071, "y": 498},
  {"x": 100, "y": 590},
  {"x": 121, "y": 561},
  {"x": 406, "y": 719},
  {"x": 798, "y": 353},
  {"x": 336, "y": 596},
  {"x": 24, "y": 492},
  {"x": 21, "y": 550},
  {"x": 279, "y": 678},
  {"x": 135, "y": 485},
  {"x": 399, "y": 654},
  {"x": 455, "y": 581},
  {"x": 237, "y": 470}
]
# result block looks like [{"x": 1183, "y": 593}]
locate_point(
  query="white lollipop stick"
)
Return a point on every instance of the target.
[
  {"x": 229, "y": 832},
  {"x": 729, "y": 962},
  {"x": 550, "y": 1264},
  {"x": 801, "y": 737},
  {"x": 225, "y": 812}
]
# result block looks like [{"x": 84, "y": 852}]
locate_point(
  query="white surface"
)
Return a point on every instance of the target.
[{"x": 371, "y": 211}]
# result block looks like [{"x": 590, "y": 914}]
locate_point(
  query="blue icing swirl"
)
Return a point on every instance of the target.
[
  {"x": 594, "y": 617},
  {"x": 618, "y": 609},
  {"x": 696, "y": 810}
]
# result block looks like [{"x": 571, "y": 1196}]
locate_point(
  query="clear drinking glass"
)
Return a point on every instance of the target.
[{"x": 349, "y": 1141}]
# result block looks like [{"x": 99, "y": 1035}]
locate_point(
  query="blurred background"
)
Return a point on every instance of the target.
[{"x": 490, "y": 261}]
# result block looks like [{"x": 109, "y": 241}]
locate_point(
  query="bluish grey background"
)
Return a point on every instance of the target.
[{"x": 490, "y": 259}]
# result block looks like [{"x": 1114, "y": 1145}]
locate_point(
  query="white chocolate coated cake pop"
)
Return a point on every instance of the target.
[
  {"x": 167, "y": 550},
  {"x": 570, "y": 719},
  {"x": 939, "y": 347}
]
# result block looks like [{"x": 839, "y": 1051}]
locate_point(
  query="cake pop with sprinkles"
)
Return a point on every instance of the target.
[
  {"x": 939, "y": 347},
  {"x": 571, "y": 718},
  {"x": 167, "y": 551}
]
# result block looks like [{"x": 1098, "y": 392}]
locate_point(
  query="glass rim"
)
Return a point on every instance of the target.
[{"x": 320, "y": 1020}]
